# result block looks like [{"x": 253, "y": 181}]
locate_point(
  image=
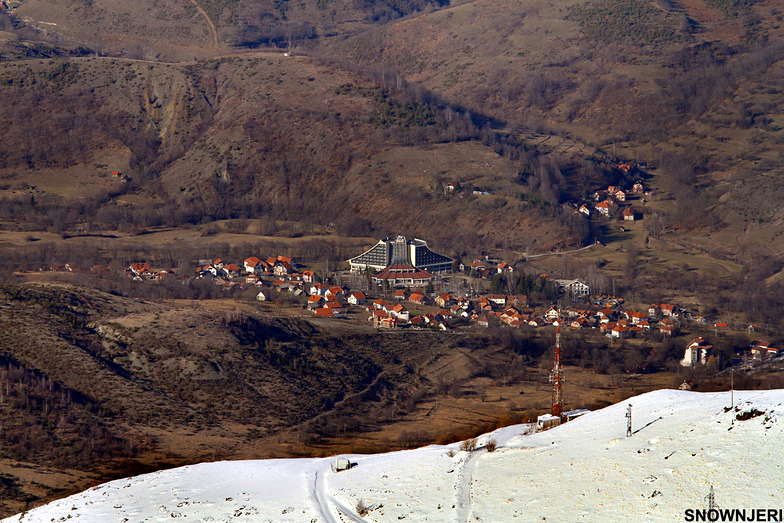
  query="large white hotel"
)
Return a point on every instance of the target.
[{"x": 402, "y": 260}]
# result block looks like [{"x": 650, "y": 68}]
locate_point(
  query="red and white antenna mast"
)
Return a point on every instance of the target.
[{"x": 556, "y": 377}]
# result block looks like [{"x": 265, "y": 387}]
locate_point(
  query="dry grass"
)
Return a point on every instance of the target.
[{"x": 444, "y": 418}]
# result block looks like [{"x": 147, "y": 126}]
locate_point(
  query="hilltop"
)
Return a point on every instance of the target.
[{"x": 684, "y": 446}]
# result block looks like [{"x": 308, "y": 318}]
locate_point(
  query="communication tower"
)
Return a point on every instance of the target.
[{"x": 556, "y": 376}]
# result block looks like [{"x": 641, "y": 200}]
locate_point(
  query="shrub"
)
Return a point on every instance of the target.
[
  {"x": 468, "y": 445},
  {"x": 491, "y": 445},
  {"x": 362, "y": 509}
]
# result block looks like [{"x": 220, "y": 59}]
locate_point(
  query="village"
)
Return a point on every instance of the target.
[
  {"x": 401, "y": 285},
  {"x": 614, "y": 201}
]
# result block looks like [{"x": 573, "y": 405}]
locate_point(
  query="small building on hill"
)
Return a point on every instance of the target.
[{"x": 546, "y": 421}]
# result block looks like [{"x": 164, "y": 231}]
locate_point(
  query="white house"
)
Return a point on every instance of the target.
[
  {"x": 604, "y": 207},
  {"x": 253, "y": 265},
  {"x": 318, "y": 288},
  {"x": 574, "y": 287},
  {"x": 619, "y": 331},
  {"x": 399, "y": 312},
  {"x": 498, "y": 299},
  {"x": 696, "y": 352},
  {"x": 551, "y": 314},
  {"x": 357, "y": 298}
]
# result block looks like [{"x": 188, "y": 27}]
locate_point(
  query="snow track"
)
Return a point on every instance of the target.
[
  {"x": 464, "y": 486},
  {"x": 318, "y": 496},
  {"x": 329, "y": 508}
]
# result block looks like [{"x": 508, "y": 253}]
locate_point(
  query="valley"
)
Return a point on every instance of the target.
[{"x": 180, "y": 134}]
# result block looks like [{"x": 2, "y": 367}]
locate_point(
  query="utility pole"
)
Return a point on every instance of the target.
[
  {"x": 732, "y": 386},
  {"x": 629, "y": 421}
]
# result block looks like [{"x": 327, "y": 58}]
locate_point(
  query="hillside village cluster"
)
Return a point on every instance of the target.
[
  {"x": 399, "y": 266},
  {"x": 614, "y": 201}
]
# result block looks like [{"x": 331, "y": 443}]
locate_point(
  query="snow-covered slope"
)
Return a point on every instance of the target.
[{"x": 586, "y": 470}]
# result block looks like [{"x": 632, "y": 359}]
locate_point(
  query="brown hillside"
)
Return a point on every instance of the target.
[
  {"x": 256, "y": 135},
  {"x": 701, "y": 103}
]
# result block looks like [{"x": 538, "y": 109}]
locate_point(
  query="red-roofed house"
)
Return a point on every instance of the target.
[
  {"x": 444, "y": 313},
  {"x": 478, "y": 265},
  {"x": 417, "y": 297},
  {"x": 761, "y": 351},
  {"x": 551, "y": 314},
  {"x": 333, "y": 292},
  {"x": 139, "y": 268},
  {"x": 442, "y": 300},
  {"x": 619, "y": 331},
  {"x": 505, "y": 267},
  {"x": 315, "y": 301},
  {"x": 399, "y": 312},
  {"x": 282, "y": 268},
  {"x": 604, "y": 207},
  {"x": 637, "y": 317},
  {"x": 498, "y": 299},
  {"x": 335, "y": 306},
  {"x": 668, "y": 310},
  {"x": 387, "y": 323},
  {"x": 254, "y": 265},
  {"x": 232, "y": 270},
  {"x": 357, "y": 298}
]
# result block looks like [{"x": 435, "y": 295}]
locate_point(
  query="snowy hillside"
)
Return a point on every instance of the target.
[{"x": 585, "y": 470}]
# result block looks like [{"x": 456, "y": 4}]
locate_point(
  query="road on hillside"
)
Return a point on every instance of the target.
[
  {"x": 556, "y": 253},
  {"x": 213, "y": 31}
]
